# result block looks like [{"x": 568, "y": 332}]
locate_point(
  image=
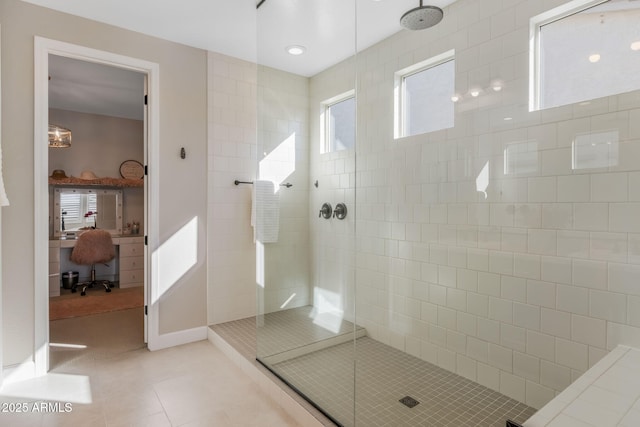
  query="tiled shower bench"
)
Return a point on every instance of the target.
[{"x": 606, "y": 395}]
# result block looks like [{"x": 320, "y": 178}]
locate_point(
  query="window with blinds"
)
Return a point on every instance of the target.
[{"x": 74, "y": 206}]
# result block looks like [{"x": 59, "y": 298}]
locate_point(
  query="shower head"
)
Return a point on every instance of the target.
[{"x": 421, "y": 17}]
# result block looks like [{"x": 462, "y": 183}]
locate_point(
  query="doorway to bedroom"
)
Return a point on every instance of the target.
[
  {"x": 128, "y": 247},
  {"x": 96, "y": 182}
]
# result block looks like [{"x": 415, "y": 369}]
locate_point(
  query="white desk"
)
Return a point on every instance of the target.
[{"x": 129, "y": 261}]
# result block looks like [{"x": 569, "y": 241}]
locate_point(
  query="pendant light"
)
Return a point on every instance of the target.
[{"x": 59, "y": 137}]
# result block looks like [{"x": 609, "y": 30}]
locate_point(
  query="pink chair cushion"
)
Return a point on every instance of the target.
[{"x": 93, "y": 247}]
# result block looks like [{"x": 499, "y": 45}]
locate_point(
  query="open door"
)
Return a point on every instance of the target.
[
  {"x": 42, "y": 49},
  {"x": 146, "y": 207}
]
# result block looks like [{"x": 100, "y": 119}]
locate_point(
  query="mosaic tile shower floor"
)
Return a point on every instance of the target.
[{"x": 384, "y": 376}]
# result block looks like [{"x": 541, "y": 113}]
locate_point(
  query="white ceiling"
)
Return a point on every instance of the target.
[
  {"x": 327, "y": 28},
  {"x": 95, "y": 88}
]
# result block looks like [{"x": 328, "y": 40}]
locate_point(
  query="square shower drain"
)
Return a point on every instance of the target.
[{"x": 408, "y": 401}]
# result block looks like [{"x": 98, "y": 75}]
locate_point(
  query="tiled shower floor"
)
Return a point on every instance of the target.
[
  {"x": 384, "y": 375},
  {"x": 298, "y": 328}
]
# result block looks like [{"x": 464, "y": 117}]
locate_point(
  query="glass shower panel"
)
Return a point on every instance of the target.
[
  {"x": 488, "y": 249},
  {"x": 305, "y": 260},
  {"x": 482, "y": 252}
]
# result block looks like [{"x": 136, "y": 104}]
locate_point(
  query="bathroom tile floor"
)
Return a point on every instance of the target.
[
  {"x": 385, "y": 375},
  {"x": 116, "y": 381}
]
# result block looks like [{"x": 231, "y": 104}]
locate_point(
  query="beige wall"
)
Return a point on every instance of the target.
[
  {"x": 183, "y": 122},
  {"x": 100, "y": 143}
]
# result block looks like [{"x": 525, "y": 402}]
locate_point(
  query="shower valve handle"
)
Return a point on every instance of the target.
[
  {"x": 325, "y": 211},
  {"x": 340, "y": 211}
]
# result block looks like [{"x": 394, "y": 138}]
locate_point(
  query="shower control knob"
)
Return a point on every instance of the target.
[
  {"x": 340, "y": 211},
  {"x": 325, "y": 211}
]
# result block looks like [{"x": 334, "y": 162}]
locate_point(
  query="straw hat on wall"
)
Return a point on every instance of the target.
[{"x": 88, "y": 175}]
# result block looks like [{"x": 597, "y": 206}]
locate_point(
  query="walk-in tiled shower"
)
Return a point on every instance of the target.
[
  {"x": 490, "y": 171},
  {"x": 385, "y": 376}
]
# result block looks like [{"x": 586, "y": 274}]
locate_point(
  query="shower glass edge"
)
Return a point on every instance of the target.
[{"x": 305, "y": 269}]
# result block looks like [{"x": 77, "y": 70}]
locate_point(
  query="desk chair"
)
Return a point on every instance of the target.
[{"x": 91, "y": 248}]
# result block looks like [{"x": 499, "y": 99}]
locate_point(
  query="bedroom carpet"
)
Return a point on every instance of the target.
[{"x": 96, "y": 301}]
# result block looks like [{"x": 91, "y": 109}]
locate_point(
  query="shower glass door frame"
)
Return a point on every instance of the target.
[{"x": 305, "y": 269}]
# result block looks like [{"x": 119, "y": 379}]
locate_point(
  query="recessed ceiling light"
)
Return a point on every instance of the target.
[
  {"x": 635, "y": 45},
  {"x": 455, "y": 97},
  {"x": 474, "y": 92},
  {"x": 296, "y": 50},
  {"x": 594, "y": 58}
]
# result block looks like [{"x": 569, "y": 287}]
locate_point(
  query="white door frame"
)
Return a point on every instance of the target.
[
  {"x": 42, "y": 48},
  {"x": 1, "y": 322}
]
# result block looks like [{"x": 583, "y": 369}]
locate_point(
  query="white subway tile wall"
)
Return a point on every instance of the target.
[
  {"x": 244, "y": 148},
  {"x": 232, "y": 155},
  {"x": 536, "y": 254},
  {"x": 283, "y": 157}
]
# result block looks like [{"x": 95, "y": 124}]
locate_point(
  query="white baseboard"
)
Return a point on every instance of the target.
[
  {"x": 19, "y": 372},
  {"x": 173, "y": 339}
]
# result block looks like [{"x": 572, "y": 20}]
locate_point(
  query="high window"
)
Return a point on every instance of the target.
[
  {"x": 584, "y": 50},
  {"x": 339, "y": 122},
  {"x": 423, "y": 96}
]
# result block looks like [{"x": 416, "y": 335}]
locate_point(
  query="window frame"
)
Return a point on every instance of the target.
[
  {"x": 74, "y": 202},
  {"x": 535, "y": 24},
  {"x": 399, "y": 113},
  {"x": 325, "y": 118}
]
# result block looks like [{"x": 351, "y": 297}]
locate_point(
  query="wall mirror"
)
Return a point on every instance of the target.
[{"x": 83, "y": 208}]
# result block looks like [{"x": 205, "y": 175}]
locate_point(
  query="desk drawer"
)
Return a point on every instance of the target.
[
  {"x": 130, "y": 278},
  {"x": 131, "y": 263},
  {"x": 54, "y": 269},
  {"x": 54, "y": 286},
  {"x": 54, "y": 255},
  {"x": 133, "y": 249}
]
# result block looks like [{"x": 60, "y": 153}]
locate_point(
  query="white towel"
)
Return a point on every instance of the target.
[{"x": 265, "y": 212}]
